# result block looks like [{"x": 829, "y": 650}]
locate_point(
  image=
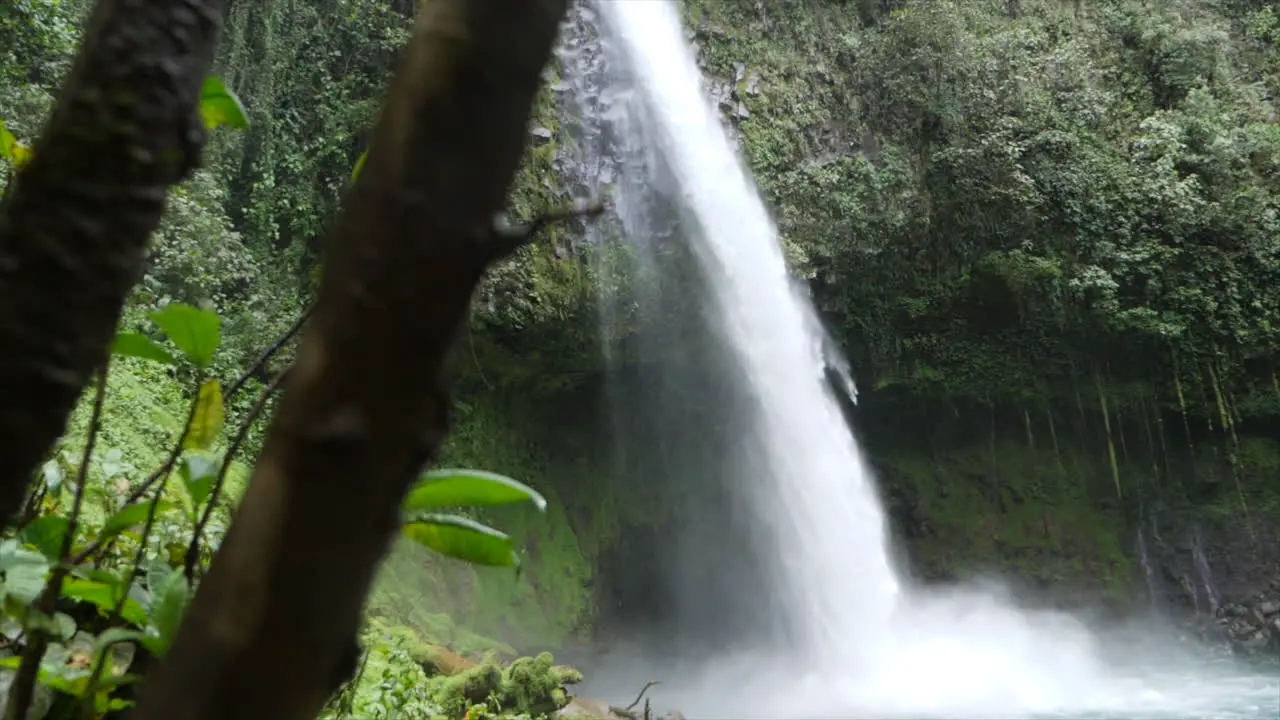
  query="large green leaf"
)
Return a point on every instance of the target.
[
  {"x": 168, "y": 603},
  {"x": 45, "y": 534},
  {"x": 206, "y": 421},
  {"x": 220, "y": 106},
  {"x": 197, "y": 333},
  {"x": 464, "y": 539},
  {"x": 58, "y": 625},
  {"x": 127, "y": 517},
  {"x": 24, "y": 572},
  {"x": 105, "y": 597},
  {"x": 463, "y": 488},
  {"x": 132, "y": 344}
]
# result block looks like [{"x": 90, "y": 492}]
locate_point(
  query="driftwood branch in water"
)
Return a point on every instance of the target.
[
  {"x": 366, "y": 404},
  {"x": 643, "y": 690},
  {"x": 74, "y": 225}
]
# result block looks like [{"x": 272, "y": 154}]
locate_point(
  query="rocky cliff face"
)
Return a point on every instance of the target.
[{"x": 1096, "y": 489}]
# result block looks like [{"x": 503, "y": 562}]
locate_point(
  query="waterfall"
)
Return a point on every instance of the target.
[
  {"x": 1204, "y": 575},
  {"x": 808, "y": 478},
  {"x": 854, "y": 639}
]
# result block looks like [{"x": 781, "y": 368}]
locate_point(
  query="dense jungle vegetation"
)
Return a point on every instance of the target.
[{"x": 1046, "y": 232}]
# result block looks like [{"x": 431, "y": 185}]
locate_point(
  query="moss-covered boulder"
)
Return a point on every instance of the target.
[{"x": 529, "y": 686}]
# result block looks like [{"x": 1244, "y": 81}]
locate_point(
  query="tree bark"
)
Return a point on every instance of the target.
[
  {"x": 366, "y": 404},
  {"x": 74, "y": 225}
]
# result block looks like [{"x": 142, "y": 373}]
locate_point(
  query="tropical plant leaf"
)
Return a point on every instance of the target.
[
  {"x": 168, "y": 603},
  {"x": 198, "y": 471},
  {"x": 220, "y": 106},
  {"x": 12, "y": 150},
  {"x": 7, "y": 141},
  {"x": 24, "y": 572},
  {"x": 51, "y": 471},
  {"x": 112, "y": 636},
  {"x": 355, "y": 172},
  {"x": 45, "y": 534},
  {"x": 197, "y": 333},
  {"x": 105, "y": 597},
  {"x": 132, "y": 344},
  {"x": 206, "y": 421},
  {"x": 464, "y": 539},
  {"x": 464, "y": 488},
  {"x": 59, "y": 625},
  {"x": 127, "y": 517}
]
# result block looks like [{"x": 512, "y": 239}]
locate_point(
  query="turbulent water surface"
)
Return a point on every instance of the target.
[{"x": 859, "y": 641}]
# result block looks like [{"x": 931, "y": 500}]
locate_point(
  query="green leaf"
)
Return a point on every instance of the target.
[
  {"x": 59, "y": 625},
  {"x": 7, "y": 141},
  {"x": 12, "y": 150},
  {"x": 51, "y": 471},
  {"x": 105, "y": 597},
  {"x": 65, "y": 624},
  {"x": 132, "y": 344},
  {"x": 114, "y": 635},
  {"x": 110, "y": 577},
  {"x": 45, "y": 534},
  {"x": 198, "y": 472},
  {"x": 462, "y": 488},
  {"x": 24, "y": 572},
  {"x": 127, "y": 517},
  {"x": 206, "y": 421},
  {"x": 464, "y": 539},
  {"x": 197, "y": 333},
  {"x": 355, "y": 172},
  {"x": 168, "y": 603},
  {"x": 220, "y": 106}
]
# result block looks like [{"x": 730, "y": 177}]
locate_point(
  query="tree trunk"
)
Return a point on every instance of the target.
[
  {"x": 75, "y": 223},
  {"x": 366, "y": 404}
]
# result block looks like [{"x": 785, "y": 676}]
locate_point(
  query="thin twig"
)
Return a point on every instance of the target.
[
  {"x": 471, "y": 340},
  {"x": 643, "y": 690},
  {"x": 139, "y": 555},
  {"x": 267, "y": 354},
  {"x": 22, "y": 691},
  {"x": 507, "y": 238},
  {"x": 32, "y": 509},
  {"x": 163, "y": 471},
  {"x": 193, "y": 549}
]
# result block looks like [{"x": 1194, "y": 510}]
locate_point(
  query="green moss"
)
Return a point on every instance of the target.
[{"x": 1016, "y": 510}]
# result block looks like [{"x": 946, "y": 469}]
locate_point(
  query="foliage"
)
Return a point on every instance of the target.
[{"x": 140, "y": 587}]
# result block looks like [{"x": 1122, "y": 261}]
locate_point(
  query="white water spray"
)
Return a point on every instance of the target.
[
  {"x": 830, "y": 531},
  {"x": 868, "y": 645}
]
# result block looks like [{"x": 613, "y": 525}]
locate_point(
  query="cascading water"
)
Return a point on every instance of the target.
[
  {"x": 860, "y": 642},
  {"x": 811, "y": 477}
]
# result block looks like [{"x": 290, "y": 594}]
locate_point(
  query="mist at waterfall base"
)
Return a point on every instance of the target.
[{"x": 775, "y": 593}]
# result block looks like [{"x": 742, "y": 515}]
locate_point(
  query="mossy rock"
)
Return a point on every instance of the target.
[
  {"x": 529, "y": 686},
  {"x": 473, "y": 686},
  {"x": 532, "y": 685}
]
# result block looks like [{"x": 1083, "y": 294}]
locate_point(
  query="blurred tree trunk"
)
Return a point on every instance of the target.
[
  {"x": 75, "y": 222},
  {"x": 366, "y": 404}
]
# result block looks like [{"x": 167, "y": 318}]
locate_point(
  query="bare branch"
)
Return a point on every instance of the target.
[
  {"x": 160, "y": 473},
  {"x": 193, "y": 549},
  {"x": 266, "y": 355},
  {"x": 508, "y": 238},
  {"x": 24, "y": 683},
  {"x": 640, "y": 697}
]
